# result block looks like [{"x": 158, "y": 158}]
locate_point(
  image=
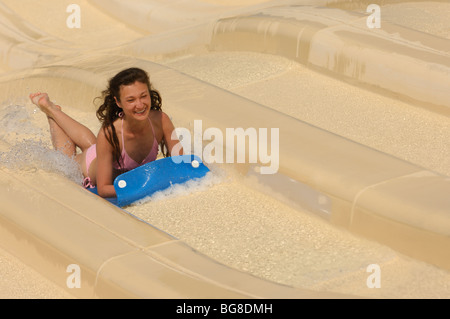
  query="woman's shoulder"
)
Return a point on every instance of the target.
[
  {"x": 107, "y": 130},
  {"x": 159, "y": 117}
]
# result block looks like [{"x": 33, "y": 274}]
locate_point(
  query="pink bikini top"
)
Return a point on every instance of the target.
[{"x": 127, "y": 163}]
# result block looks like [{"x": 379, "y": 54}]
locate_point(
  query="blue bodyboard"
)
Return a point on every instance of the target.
[{"x": 155, "y": 176}]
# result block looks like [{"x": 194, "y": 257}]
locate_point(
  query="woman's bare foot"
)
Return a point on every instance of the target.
[{"x": 43, "y": 102}]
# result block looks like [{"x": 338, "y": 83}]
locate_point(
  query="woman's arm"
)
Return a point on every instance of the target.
[
  {"x": 105, "y": 179},
  {"x": 173, "y": 144}
]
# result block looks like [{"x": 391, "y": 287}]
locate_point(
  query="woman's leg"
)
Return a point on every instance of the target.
[
  {"x": 79, "y": 134},
  {"x": 60, "y": 140},
  {"x": 66, "y": 133}
]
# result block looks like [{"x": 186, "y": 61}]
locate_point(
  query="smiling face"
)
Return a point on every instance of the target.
[{"x": 135, "y": 100}]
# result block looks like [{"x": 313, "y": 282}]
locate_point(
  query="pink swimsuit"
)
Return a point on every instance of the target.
[{"x": 126, "y": 162}]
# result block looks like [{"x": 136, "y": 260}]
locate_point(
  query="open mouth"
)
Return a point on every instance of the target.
[{"x": 141, "y": 112}]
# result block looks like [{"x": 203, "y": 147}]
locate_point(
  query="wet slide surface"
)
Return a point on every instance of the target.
[{"x": 224, "y": 217}]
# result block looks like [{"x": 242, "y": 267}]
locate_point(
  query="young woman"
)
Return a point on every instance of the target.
[{"x": 133, "y": 125}]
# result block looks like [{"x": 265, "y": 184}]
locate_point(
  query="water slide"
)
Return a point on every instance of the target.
[{"x": 335, "y": 204}]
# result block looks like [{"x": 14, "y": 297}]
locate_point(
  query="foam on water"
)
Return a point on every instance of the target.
[
  {"x": 17, "y": 122},
  {"x": 32, "y": 155},
  {"x": 28, "y": 145}
]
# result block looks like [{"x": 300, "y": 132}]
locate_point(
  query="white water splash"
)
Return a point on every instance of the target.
[
  {"x": 31, "y": 155},
  {"x": 23, "y": 135}
]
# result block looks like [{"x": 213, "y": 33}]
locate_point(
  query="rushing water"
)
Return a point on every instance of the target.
[{"x": 27, "y": 144}]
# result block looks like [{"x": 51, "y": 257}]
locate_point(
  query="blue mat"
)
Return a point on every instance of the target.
[{"x": 155, "y": 176}]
